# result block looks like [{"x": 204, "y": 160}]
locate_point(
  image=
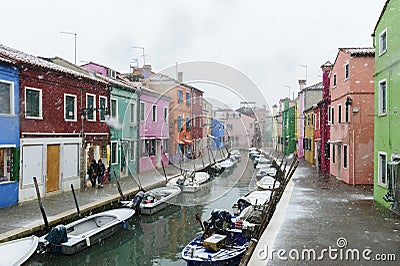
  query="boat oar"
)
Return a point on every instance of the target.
[
  {"x": 119, "y": 186},
  {"x": 76, "y": 202},
  {"x": 46, "y": 223},
  {"x": 165, "y": 175}
]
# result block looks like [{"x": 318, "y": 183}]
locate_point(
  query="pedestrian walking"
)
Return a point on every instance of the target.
[
  {"x": 92, "y": 172},
  {"x": 100, "y": 173}
]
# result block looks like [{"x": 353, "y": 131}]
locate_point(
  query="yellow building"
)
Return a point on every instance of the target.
[{"x": 308, "y": 142}]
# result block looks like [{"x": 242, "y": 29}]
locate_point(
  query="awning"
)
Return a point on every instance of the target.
[{"x": 335, "y": 141}]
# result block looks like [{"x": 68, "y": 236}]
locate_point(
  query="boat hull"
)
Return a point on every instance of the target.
[
  {"x": 168, "y": 193},
  {"x": 18, "y": 251}
]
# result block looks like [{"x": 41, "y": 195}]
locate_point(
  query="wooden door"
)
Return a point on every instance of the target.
[{"x": 53, "y": 168}]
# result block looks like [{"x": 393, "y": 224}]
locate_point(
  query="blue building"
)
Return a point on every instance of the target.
[
  {"x": 9, "y": 132},
  {"x": 217, "y": 133}
]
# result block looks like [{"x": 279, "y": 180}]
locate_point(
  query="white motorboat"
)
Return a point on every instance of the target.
[
  {"x": 190, "y": 181},
  {"x": 267, "y": 183},
  {"x": 16, "y": 252},
  {"x": 157, "y": 199},
  {"x": 227, "y": 164},
  {"x": 73, "y": 237},
  {"x": 253, "y": 198}
]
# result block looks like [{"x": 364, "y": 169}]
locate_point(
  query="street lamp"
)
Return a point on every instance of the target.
[
  {"x": 72, "y": 33},
  {"x": 144, "y": 56}
]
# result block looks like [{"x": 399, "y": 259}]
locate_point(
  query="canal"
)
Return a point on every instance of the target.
[{"x": 160, "y": 238}]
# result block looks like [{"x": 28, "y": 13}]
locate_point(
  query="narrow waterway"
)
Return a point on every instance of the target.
[{"x": 160, "y": 238}]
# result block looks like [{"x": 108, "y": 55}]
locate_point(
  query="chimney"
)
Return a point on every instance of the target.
[
  {"x": 302, "y": 84},
  {"x": 180, "y": 77},
  {"x": 146, "y": 71}
]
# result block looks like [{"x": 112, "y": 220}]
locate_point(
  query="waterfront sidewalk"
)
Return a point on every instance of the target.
[
  {"x": 318, "y": 213},
  {"x": 25, "y": 218}
]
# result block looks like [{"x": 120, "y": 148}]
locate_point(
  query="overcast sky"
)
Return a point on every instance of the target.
[{"x": 267, "y": 41}]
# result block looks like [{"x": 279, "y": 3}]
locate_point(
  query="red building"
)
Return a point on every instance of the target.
[
  {"x": 61, "y": 112},
  {"x": 197, "y": 120}
]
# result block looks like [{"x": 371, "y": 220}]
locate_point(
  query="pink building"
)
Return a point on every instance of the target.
[
  {"x": 351, "y": 116},
  {"x": 154, "y": 130}
]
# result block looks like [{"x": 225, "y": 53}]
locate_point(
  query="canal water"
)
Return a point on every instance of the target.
[{"x": 160, "y": 238}]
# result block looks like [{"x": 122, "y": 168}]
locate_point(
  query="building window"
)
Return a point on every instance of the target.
[
  {"x": 114, "y": 109},
  {"x": 333, "y": 115},
  {"x": 334, "y": 80},
  {"x": 70, "y": 107},
  {"x": 180, "y": 96},
  {"x": 6, "y": 98},
  {"x": 344, "y": 156},
  {"x": 179, "y": 123},
  {"x": 187, "y": 123},
  {"x": 152, "y": 148},
  {"x": 114, "y": 152},
  {"x": 346, "y": 71},
  {"x": 133, "y": 113},
  {"x": 132, "y": 151},
  {"x": 90, "y": 107},
  {"x": 145, "y": 147},
  {"x": 383, "y": 42},
  {"x": 165, "y": 114},
  {"x": 382, "y": 97},
  {"x": 33, "y": 103},
  {"x": 165, "y": 146},
  {"x": 329, "y": 115},
  {"x": 346, "y": 117},
  {"x": 154, "y": 114},
  {"x": 187, "y": 97},
  {"x": 103, "y": 108},
  {"x": 339, "y": 113},
  {"x": 382, "y": 166},
  {"x": 142, "y": 111},
  {"x": 333, "y": 154}
]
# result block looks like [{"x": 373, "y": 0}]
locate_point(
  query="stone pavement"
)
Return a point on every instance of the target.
[
  {"x": 339, "y": 223},
  {"x": 25, "y": 218}
]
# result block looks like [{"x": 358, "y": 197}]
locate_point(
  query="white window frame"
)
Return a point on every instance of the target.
[
  {"x": 329, "y": 115},
  {"x": 333, "y": 153},
  {"x": 380, "y": 98},
  {"x": 94, "y": 107},
  {"x": 106, "y": 107},
  {"x": 340, "y": 114},
  {"x": 12, "y": 99},
  {"x": 142, "y": 111},
  {"x": 332, "y": 115},
  {"x": 132, "y": 154},
  {"x": 154, "y": 113},
  {"x": 166, "y": 114},
  {"x": 40, "y": 117},
  {"x": 347, "y": 113},
  {"x": 133, "y": 114},
  {"x": 346, "y": 71},
  {"x": 380, "y": 178},
  {"x": 75, "y": 107},
  {"x": 116, "y": 153},
  {"x": 382, "y": 51},
  {"x": 115, "y": 116}
]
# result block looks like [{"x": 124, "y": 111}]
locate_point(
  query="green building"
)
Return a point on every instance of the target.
[
  {"x": 386, "y": 40},
  {"x": 288, "y": 127}
]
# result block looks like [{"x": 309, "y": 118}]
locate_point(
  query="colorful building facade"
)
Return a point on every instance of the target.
[{"x": 351, "y": 119}]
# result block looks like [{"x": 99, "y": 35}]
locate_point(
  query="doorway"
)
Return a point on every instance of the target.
[{"x": 53, "y": 168}]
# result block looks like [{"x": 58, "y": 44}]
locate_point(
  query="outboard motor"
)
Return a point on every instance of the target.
[
  {"x": 243, "y": 203},
  {"x": 220, "y": 220},
  {"x": 137, "y": 200},
  {"x": 56, "y": 237}
]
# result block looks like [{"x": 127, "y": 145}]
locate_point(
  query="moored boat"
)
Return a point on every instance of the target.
[
  {"x": 190, "y": 181},
  {"x": 220, "y": 244},
  {"x": 267, "y": 183},
  {"x": 253, "y": 198},
  {"x": 16, "y": 252},
  {"x": 157, "y": 199},
  {"x": 73, "y": 237}
]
